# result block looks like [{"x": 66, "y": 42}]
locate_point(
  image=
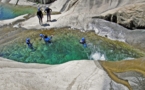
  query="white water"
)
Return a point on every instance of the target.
[
  {"x": 129, "y": 58},
  {"x": 97, "y": 56}
]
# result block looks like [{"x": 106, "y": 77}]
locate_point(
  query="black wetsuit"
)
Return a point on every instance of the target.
[
  {"x": 40, "y": 16},
  {"x": 82, "y": 41},
  {"x": 48, "y": 11},
  {"x": 29, "y": 44}
]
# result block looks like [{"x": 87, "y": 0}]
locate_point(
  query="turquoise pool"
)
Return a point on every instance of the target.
[
  {"x": 65, "y": 47},
  {"x": 11, "y": 11}
]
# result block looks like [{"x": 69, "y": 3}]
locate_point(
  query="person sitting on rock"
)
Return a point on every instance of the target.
[
  {"x": 48, "y": 12},
  {"x": 83, "y": 42},
  {"x": 29, "y": 44},
  {"x": 40, "y": 16},
  {"x": 48, "y": 39}
]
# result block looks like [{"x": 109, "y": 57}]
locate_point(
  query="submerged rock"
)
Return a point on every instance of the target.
[{"x": 135, "y": 79}]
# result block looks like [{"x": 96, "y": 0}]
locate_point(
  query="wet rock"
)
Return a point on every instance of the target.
[{"x": 135, "y": 79}]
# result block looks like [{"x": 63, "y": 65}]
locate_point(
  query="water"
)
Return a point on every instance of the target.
[
  {"x": 65, "y": 47},
  {"x": 10, "y": 11},
  {"x": 97, "y": 56}
]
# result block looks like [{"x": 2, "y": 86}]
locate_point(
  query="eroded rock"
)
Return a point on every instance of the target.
[{"x": 129, "y": 16}]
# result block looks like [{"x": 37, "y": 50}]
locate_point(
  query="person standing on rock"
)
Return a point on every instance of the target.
[
  {"x": 48, "y": 12},
  {"x": 40, "y": 16}
]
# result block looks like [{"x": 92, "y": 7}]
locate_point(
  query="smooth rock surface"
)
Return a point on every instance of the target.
[{"x": 82, "y": 75}]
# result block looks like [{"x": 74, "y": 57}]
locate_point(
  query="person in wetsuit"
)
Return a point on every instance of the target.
[
  {"x": 29, "y": 44},
  {"x": 41, "y": 36},
  {"x": 83, "y": 42},
  {"x": 48, "y": 12},
  {"x": 40, "y": 16},
  {"x": 47, "y": 39}
]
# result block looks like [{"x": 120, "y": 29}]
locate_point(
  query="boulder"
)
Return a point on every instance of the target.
[{"x": 130, "y": 16}]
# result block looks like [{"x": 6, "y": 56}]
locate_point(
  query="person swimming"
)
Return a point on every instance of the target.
[
  {"x": 42, "y": 36},
  {"x": 48, "y": 39},
  {"x": 29, "y": 44},
  {"x": 83, "y": 42}
]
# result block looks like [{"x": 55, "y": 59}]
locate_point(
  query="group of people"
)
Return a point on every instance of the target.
[
  {"x": 40, "y": 15},
  {"x": 47, "y": 40}
]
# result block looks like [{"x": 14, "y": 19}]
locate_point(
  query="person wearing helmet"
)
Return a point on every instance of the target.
[
  {"x": 48, "y": 12},
  {"x": 47, "y": 39},
  {"x": 83, "y": 42},
  {"x": 40, "y": 16},
  {"x": 29, "y": 44},
  {"x": 42, "y": 36}
]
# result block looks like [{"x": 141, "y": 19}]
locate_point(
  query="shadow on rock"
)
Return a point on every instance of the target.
[
  {"x": 45, "y": 25},
  {"x": 54, "y": 20}
]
